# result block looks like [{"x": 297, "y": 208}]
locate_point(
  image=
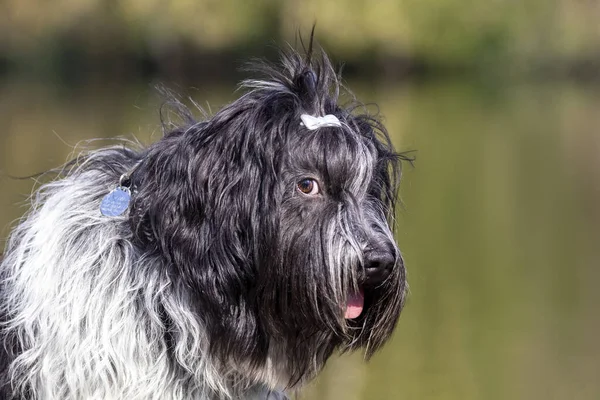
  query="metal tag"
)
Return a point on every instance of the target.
[{"x": 116, "y": 202}]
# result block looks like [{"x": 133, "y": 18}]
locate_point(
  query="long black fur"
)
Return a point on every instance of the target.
[{"x": 216, "y": 203}]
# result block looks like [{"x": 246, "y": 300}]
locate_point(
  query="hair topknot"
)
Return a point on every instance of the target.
[{"x": 310, "y": 78}]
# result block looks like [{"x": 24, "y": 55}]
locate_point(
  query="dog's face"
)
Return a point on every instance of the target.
[
  {"x": 277, "y": 235},
  {"x": 332, "y": 275}
]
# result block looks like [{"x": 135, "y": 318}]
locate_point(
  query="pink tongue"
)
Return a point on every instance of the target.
[{"x": 354, "y": 304}]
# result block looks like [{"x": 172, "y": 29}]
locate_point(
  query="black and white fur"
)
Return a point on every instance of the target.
[{"x": 222, "y": 280}]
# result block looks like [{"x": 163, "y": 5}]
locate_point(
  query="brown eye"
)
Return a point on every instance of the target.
[{"x": 308, "y": 186}]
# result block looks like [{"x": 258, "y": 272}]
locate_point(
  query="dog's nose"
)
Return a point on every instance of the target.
[{"x": 378, "y": 266}]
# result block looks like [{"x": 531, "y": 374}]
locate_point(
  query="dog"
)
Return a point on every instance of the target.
[{"x": 228, "y": 260}]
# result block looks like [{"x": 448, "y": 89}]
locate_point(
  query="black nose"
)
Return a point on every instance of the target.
[{"x": 378, "y": 266}]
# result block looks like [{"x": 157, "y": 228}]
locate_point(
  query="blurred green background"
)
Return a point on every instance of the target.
[{"x": 501, "y": 214}]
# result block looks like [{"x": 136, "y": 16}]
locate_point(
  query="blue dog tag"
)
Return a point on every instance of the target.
[{"x": 116, "y": 202}]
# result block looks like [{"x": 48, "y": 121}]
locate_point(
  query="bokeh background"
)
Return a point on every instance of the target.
[{"x": 500, "y": 99}]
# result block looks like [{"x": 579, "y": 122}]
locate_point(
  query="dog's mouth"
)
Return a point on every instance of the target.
[{"x": 355, "y": 303}]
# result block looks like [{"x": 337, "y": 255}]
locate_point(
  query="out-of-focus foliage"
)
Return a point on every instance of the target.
[{"x": 443, "y": 33}]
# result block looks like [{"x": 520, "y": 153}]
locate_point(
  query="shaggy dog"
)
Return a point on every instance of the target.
[{"x": 228, "y": 260}]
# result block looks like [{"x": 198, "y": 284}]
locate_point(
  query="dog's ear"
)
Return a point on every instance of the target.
[{"x": 200, "y": 208}]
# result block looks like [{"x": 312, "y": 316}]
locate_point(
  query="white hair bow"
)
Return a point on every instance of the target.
[{"x": 313, "y": 123}]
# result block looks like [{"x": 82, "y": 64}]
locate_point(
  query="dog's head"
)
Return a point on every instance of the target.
[{"x": 274, "y": 232}]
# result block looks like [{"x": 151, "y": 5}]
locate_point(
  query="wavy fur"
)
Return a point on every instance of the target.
[{"x": 222, "y": 280}]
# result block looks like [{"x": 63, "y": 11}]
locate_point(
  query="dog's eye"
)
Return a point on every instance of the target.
[{"x": 308, "y": 186}]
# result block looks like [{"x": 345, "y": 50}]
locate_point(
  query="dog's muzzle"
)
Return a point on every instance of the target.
[{"x": 378, "y": 264}]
